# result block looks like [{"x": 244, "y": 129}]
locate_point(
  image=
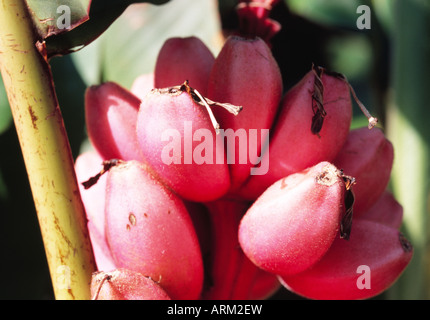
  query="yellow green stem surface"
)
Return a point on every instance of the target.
[{"x": 46, "y": 151}]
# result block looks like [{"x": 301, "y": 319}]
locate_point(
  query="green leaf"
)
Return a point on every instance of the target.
[
  {"x": 5, "y": 113},
  {"x": 359, "y": 122},
  {"x": 130, "y": 46},
  {"x": 384, "y": 14},
  {"x": 48, "y": 16},
  {"x": 328, "y": 12},
  {"x": 351, "y": 55},
  {"x": 102, "y": 14}
]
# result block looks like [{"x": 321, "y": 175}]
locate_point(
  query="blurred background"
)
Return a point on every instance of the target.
[{"x": 387, "y": 65}]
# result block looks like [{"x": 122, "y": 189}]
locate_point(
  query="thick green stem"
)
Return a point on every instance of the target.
[
  {"x": 46, "y": 151},
  {"x": 409, "y": 131}
]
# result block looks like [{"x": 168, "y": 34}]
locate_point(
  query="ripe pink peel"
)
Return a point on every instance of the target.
[
  {"x": 178, "y": 140},
  {"x": 150, "y": 231},
  {"x": 111, "y": 113},
  {"x": 294, "y": 222},
  {"x": 265, "y": 285},
  {"x": 293, "y": 146},
  {"x": 142, "y": 85},
  {"x": 386, "y": 210},
  {"x": 86, "y": 166},
  {"x": 367, "y": 156},
  {"x": 202, "y": 205},
  {"x": 183, "y": 59},
  {"x": 123, "y": 284},
  {"x": 246, "y": 74},
  {"x": 226, "y": 255},
  {"x": 251, "y": 282},
  {"x": 201, "y": 222},
  {"x": 380, "y": 250},
  {"x": 254, "y": 20},
  {"x": 231, "y": 274}
]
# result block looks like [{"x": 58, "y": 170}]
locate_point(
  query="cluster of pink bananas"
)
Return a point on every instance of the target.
[{"x": 212, "y": 183}]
